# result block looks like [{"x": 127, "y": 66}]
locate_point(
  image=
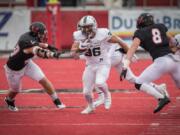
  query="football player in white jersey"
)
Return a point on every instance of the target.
[
  {"x": 116, "y": 55},
  {"x": 95, "y": 43}
]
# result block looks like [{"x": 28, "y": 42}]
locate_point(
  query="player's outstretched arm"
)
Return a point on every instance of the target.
[
  {"x": 49, "y": 47},
  {"x": 42, "y": 53},
  {"x": 133, "y": 48},
  {"x": 116, "y": 39},
  {"x": 74, "y": 50},
  {"x": 78, "y": 48},
  {"x": 127, "y": 60}
]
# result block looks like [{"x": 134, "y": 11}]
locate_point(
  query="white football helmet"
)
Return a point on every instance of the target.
[
  {"x": 78, "y": 26},
  {"x": 87, "y": 25},
  {"x": 177, "y": 40}
]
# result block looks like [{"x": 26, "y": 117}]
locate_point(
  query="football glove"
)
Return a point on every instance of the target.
[
  {"x": 126, "y": 63},
  {"x": 52, "y": 48},
  {"x": 123, "y": 74},
  {"x": 56, "y": 55}
]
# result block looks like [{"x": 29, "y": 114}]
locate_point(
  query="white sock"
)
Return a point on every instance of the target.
[
  {"x": 54, "y": 96},
  {"x": 157, "y": 88},
  {"x": 149, "y": 89}
]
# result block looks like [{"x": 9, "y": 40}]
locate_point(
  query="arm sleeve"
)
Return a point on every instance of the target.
[
  {"x": 139, "y": 34},
  {"x": 107, "y": 34},
  {"x": 163, "y": 27},
  {"x": 75, "y": 36},
  {"x": 24, "y": 43}
]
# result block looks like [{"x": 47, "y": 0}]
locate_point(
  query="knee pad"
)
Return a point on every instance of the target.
[{"x": 137, "y": 86}]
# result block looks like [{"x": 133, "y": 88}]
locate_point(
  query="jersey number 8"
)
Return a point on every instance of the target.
[{"x": 156, "y": 36}]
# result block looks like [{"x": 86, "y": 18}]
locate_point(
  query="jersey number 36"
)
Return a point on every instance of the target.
[{"x": 93, "y": 52}]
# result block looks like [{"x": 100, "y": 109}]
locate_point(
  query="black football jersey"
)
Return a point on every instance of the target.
[
  {"x": 18, "y": 59},
  {"x": 154, "y": 40}
]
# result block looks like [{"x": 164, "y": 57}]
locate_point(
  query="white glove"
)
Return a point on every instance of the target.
[{"x": 126, "y": 63}]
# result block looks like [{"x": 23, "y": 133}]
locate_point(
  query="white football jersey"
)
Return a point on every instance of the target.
[
  {"x": 115, "y": 55},
  {"x": 178, "y": 52},
  {"x": 99, "y": 46},
  {"x": 113, "y": 49}
]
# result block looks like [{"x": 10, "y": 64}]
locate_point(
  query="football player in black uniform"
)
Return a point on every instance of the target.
[
  {"x": 153, "y": 38},
  {"x": 30, "y": 44}
]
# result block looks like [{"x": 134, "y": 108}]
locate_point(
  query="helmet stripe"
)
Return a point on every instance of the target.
[{"x": 85, "y": 20}]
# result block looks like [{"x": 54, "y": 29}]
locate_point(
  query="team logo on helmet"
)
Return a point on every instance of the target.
[
  {"x": 39, "y": 29},
  {"x": 144, "y": 20}
]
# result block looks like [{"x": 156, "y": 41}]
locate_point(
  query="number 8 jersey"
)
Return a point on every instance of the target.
[
  {"x": 154, "y": 40},
  {"x": 99, "y": 46}
]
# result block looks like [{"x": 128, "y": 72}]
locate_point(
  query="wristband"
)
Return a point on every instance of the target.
[{"x": 126, "y": 63}]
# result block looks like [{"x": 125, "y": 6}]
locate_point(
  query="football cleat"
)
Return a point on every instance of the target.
[
  {"x": 58, "y": 104},
  {"x": 62, "y": 106},
  {"x": 162, "y": 102},
  {"x": 11, "y": 104},
  {"x": 89, "y": 109}
]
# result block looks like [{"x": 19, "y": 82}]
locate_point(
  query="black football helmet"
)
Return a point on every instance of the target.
[
  {"x": 39, "y": 29},
  {"x": 144, "y": 20}
]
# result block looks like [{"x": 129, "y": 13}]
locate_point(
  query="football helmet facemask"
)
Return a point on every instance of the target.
[
  {"x": 177, "y": 40},
  {"x": 39, "y": 29},
  {"x": 144, "y": 20},
  {"x": 87, "y": 25}
]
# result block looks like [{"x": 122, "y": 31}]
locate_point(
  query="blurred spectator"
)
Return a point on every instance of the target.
[
  {"x": 42, "y": 3},
  {"x": 90, "y": 2},
  {"x": 178, "y": 3},
  {"x": 64, "y": 3},
  {"x": 113, "y": 3},
  {"x": 129, "y": 3},
  {"x": 68, "y": 3},
  {"x": 12, "y": 3},
  {"x": 5, "y": 3}
]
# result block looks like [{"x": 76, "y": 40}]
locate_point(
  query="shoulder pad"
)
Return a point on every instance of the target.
[
  {"x": 103, "y": 33},
  {"x": 77, "y": 36}
]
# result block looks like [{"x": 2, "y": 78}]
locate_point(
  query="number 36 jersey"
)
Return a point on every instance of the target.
[
  {"x": 99, "y": 46},
  {"x": 154, "y": 40}
]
